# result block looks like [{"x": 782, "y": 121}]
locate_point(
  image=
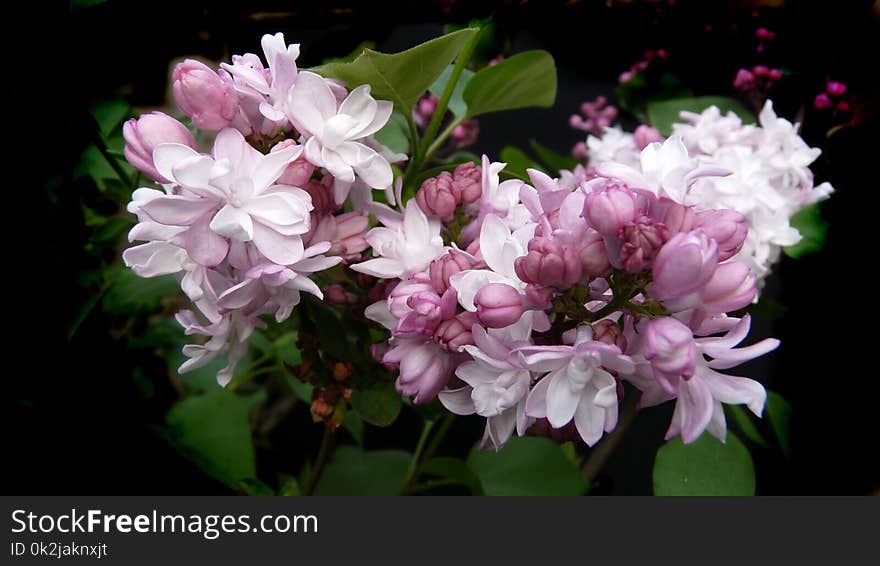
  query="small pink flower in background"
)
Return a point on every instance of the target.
[
  {"x": 498, "y": 305},
  {"x": 202, "y": 95}
]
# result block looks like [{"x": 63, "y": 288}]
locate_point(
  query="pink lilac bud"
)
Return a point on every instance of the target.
[
  {"x": 761, "y": 71},
  {"x": 645, "y": 135},
  {"x": 548, "y": 264},
  {"x": 297, "y": 173},
  {"x": 744, "y": 80},
  {"x": 425, "y": 108},
  {"x": 625, "y": 77},
  {"x": 335, "y": 295},
  {"x": 610, "y": 210},
  {"x": 641, "y": 242},
  {"x": 731, "y": 288},
  {"x": 144, "y": 134},
  {"x": 676, "y": 217},
  {"x": 349, "y": 239},
  {"x": 428, "y": 310},
  {"x": 465, "y": 134},
  {"x": 580, "y": 151},
  {"x": 774, "y": 74},
  {"x": 822, "y": 102},
  {"x": 593, "y": 254},
  {"x": 447, "y": 265},
  {"x": 609, "y": 332},
  {"x": 843, "y": 106},
  {"x": 474, "y": 250},
  {"x": 575, "y": 121},
  {"x": 437, "y": 198},
  {"x": 455, "y": 332},
  {"x": 764, "y": 33},
  {"x": 669, "y": 346},
  {"x": 498, "y": 305},
  {"x": 835, "y": 88},
  {"x": 538, "y": 298},
  {"x": 467, "y": 182},
  {"x": 684, "y": 264},
  {"x": 727, "y": 227},
  {"x": 202, "y": 95},
  {"x": 322, "y": 196}
]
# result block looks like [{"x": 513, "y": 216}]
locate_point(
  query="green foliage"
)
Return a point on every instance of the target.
[
  {"x": 132, "y": 295},
  {"x": 779, "y": 416},
  {"x": 525, "y": 80},
  {"x": 353, "y": 471},
  {"x": 663, "y": 113},
  {"x": 813, "y": 229},
  {"x": 647, "y": 86},
  {"x": 395, "y": 134},
  {"x": 529, "y": 465},
  {"x": 517, "y": 162},
  {"x": 704, "y": 467},
  {"x": 213, "y": 430},
  {"x": 378, "y": 403},
  {"x": 453, "y": 471},
  {"x": 743, "y": 420},
  {"x": 555, "y": 161},
  {"x": 400, "y": 77},
  {"x": 456, "y": 103}
]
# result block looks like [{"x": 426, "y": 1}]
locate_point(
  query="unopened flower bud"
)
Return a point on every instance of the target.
[
  {"x": 610, "y": 210},
  {"x": 498, "y": 305},
  {"x": 727, "y": 227},
  {"x": 202, "y": 95},
  {"x": 297, "y": 173},
  {"x": 641, "y": 242},
  {"x": 467, "y": 182},
  {"x": 684, "y": 264},
  {"x": 670, "y": 347},
  {"x": 593, "y": 254},
  {"x": 455, "y": 332},
  {"x": 645, "y": 135},
  {"x": 732, "y": 287},
  {"x": 609, "y": 332},
  {"x": 335, "y": 295},
  {"x": 447, "y": 265},
  {"x": 437, "y": 198},
  {"x": 548, "y": 264},
  {"x": 144, "y": 134},
  {"x": 835, "y": 88},
  {"x": 744, "y": 80},
  {"x": 822, "y": 101}
]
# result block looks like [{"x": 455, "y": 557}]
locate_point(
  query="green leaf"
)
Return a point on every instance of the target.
[
  {"x": 354, "y": 424},
  {"x": 779, "y": 415},
  {"x": 253, "y": 486},
  {"x": 525, "y": 80},
  {"x": 704, "y": 467},
  {"x": 213, "y": 430},
  {"x": 395, "y": 134},
  {"x": 745, "y": 424},
  {"x": 285, "y": 346},
  {"x": 529, "y": 465},
  {"x": 663, "y": 113},
  {"x": 517, "y": 162},
  {"x": 555, "y": 161},
  {"x": 456, "y": 104},
  {"x": 131, "y": 294},
  {"x": 331, "y": 332},
  {"x": 813, "y": 229},
  {"x": 352, "y": 471},
  {"x": 400, "y": 77},
  {"x": 289, "y": 487},
  {"x": 110, "y": 114},
  {"x": 453, "y": 470},
  {"x": 378, "y": 404}
]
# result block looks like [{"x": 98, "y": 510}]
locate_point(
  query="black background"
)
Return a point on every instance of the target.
[{"x": 77, "y": 424}]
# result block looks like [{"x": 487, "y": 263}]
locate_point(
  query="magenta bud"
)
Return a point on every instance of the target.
[
  {"x": 764, "y": 33},
  {"x": 677, "y": 217},
  {"x": 297, "y": 173},
  {"x": 593, "y": 254},
  {"x": 455, "y": 332},
  {"x": 144, "y": 134},
  {"x": 843, "y": 106},
  {"x": 641, "y": 242},
  {"x": 466, "y": 133},
  {"x": 732, "y": 287},
  {"x": 202, "y": 95},
  {"x": 610, "y": 210},
  {"x": 467, "y": 182},
  {"x": 349, "y": 239},
  {"x": 645, "y": 135},
  {"x": 744, "y": 79},
  {"x": 684, "y": 264},
  {"x": 774, "y": 74},
  {"x": 498, "y": 305},
  {"x": 322, "y": 196},
  {"x": 548, "y": 264},
  {"x": 822, "y": 102},
  {"x": 761, "y": 71},
  {"x": 835, "y": 88},
  {"x": 669, "y": 346},
  {"x": 609, "y": 332},
  {"x": 437, "y": 198},
  {"x": 336, "y": 295},
  {"x": 727, "y": 227},
  {"x": 447, "y": 265}
]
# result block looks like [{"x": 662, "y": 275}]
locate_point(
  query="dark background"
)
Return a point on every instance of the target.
[{"x": 78, "y": 421}]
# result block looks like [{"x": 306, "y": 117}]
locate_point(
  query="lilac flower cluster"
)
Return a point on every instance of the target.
[
  {"x": 530, "y": 304},
  {"x": 245, "y": 226}
]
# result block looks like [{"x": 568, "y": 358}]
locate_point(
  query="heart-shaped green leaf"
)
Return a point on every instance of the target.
[{"x": 525, "y": 80}]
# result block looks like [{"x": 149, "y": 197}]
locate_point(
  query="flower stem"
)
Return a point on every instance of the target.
[
  {"x": 415, "y": 463},
  {"x": 320, "y": 461}
]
